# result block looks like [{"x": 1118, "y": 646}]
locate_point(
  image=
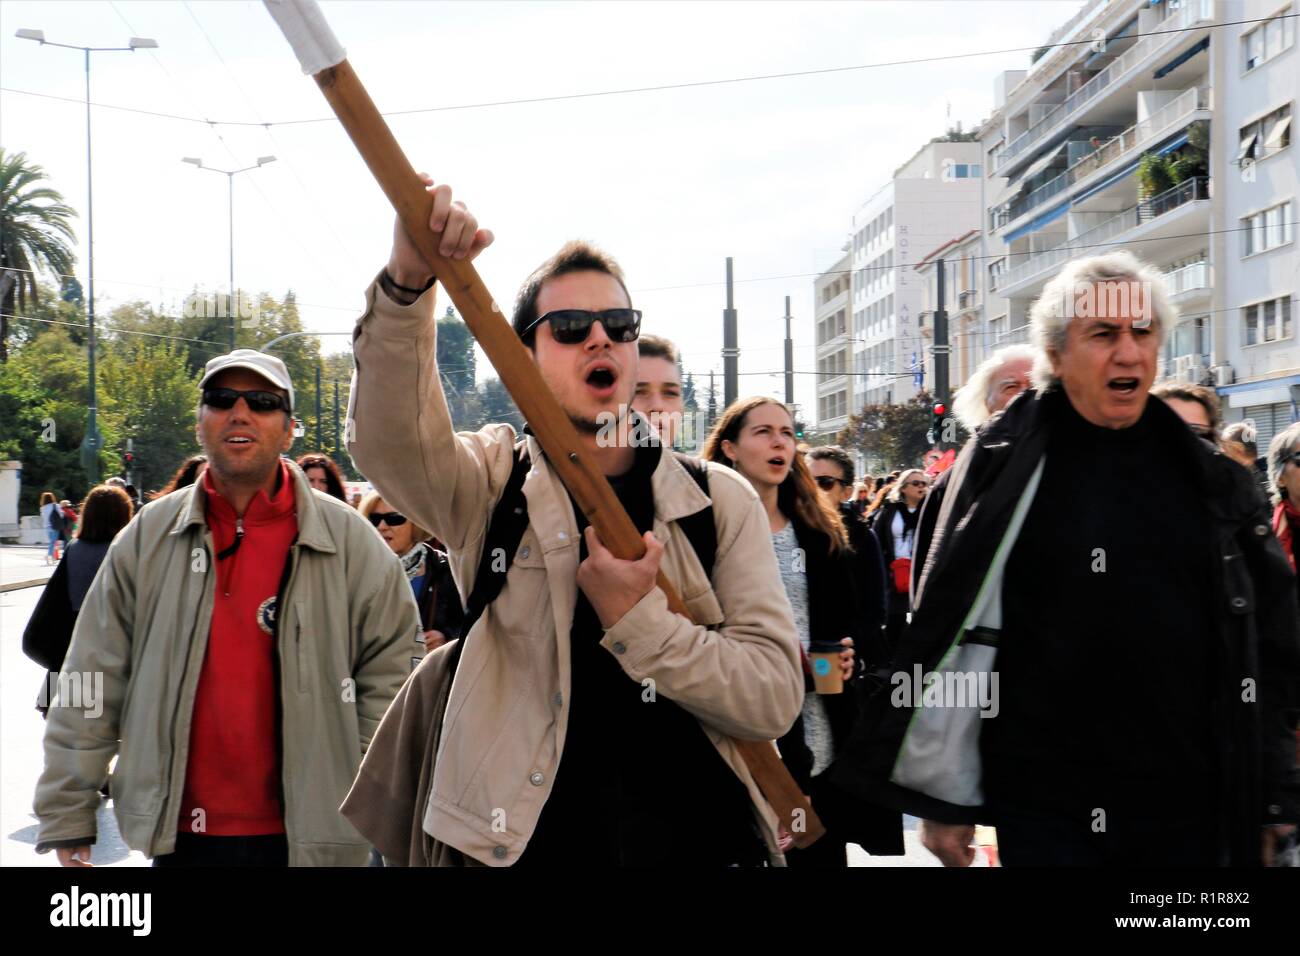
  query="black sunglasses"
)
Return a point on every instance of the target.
[
  {"x": 1202, "y": 431},
  {"x": 391, "y": 518},
  {"x": 258, "y": 400},
  {"x": 827, "y": 483},
  {"x": 917, "y": 483},
  {"x": 572, "y": 326}
]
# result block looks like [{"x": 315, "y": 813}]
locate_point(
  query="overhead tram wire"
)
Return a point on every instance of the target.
[
  {"x": 184, "y": 91},
  {"x": 280, "y": 151},
  {"x": 702, "y": 285},
  {"x": 693, "y": 84}
]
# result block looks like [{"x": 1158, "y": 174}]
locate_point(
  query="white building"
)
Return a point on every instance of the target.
[
  {"x": 1170, "y": 137},
  {"x": 831, "y": 333},
  {"x": 932, "y": 197}
]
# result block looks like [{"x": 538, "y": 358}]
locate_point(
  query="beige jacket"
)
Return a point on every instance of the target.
[
  {"x": 738, "y": 671},
  {"x": 348, "y": 630}
]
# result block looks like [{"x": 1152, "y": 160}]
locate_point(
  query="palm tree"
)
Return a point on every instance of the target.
[{"x": 34, "y": 235}]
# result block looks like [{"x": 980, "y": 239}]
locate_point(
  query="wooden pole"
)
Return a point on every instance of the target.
[{"x": 513, "y": 362}]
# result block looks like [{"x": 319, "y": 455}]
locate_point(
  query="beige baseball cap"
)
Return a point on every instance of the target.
[{"x": 262, "y": 363}]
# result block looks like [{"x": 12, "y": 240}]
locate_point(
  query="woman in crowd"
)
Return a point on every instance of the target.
[
  {"x": 895, "y": 527},
  {"x": 104, "y": 513},
  {"x": 1284, "y": 483},
  {"x": 426, "y": 568},
  {"x": 323, "y": 474},
  {"x": 756, "y": 437},
  {"x": 52, "y": 522}
]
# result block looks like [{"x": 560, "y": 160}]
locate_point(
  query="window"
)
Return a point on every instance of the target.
[
  {"x": 1268, "y": 321},
  {"x": 1266, "y": 136},
  {"x": 1268, "y": 39},
  {"x": 1268, "y": 229}
]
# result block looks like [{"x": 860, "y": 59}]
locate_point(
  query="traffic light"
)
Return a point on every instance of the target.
[{"x": 940, "y": 413}]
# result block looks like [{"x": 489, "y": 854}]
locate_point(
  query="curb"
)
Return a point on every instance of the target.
[{"x": 19, "y": 585}]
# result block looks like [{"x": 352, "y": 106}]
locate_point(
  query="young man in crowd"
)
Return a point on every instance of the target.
[{"x": 587, "y": 723}]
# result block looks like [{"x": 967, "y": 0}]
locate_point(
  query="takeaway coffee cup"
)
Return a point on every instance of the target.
[{"x": 828, "y": 677}]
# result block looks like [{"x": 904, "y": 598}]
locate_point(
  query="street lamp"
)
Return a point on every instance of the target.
[
  {"x": 90, "y": 445},
  {"x": 230, "y": 180}
]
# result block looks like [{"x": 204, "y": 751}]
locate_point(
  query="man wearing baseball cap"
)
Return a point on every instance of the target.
[{"x": 241, "y": 642}]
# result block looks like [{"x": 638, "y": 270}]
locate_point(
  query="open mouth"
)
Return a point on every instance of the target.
[
  {"x": 1123, "y": 386},
  {"x": 601, "y": 377},
  {"x": 239, "y": 440},
  {"x": 776, "y": 461}
]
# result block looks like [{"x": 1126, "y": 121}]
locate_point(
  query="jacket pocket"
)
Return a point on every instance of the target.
[{"x": 302, "y": 654}]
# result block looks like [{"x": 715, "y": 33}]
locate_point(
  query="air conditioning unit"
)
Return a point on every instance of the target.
[
  {"x": 1188, "y": 368},
  {"x": 1223, "y": 375}
]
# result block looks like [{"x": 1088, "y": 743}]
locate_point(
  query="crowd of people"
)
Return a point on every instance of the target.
[{"x": 459, "y": 671}]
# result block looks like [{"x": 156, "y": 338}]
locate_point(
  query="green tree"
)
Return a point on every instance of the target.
[
  {"x": 43, "y": 394},
  {"x": 891, "y": 435},
  {"x": 35, "y": 236},
  {"x": 147, "y": 394},
  {"x": 498, "y": 406}
]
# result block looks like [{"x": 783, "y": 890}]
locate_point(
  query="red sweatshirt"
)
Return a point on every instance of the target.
[{"x": 233, "y": 773}]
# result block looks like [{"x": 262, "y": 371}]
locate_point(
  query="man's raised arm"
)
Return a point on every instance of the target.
[{"x": 399, "y": 429}]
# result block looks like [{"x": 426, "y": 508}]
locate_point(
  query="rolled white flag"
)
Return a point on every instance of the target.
[{"x": 304, "y": 26}]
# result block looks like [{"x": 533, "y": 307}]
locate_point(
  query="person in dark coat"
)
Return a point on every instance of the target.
[
  {"x": 821, "y": 574},
  {"x": 1110, "y": 679},
  {"x": 104, "y": 513}
]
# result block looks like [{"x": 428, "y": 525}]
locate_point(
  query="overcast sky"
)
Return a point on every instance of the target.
[{"x": 670, "y": 182}]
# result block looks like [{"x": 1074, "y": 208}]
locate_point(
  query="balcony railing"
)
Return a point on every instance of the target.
[
  {"x": 1195, "y": 275},
  {"x": 1118, "y": 147},
  {"x": 1102, "y": 233},
  {"x": 1191, "y": 12}
]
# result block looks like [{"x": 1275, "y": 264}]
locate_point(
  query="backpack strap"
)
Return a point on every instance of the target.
[
  {"x": 509, "y": 521},
  {"x": 505, "y": 530},
  {"x": 699, "y": 528}
]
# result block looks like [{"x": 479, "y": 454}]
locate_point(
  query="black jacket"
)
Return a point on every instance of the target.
[
  {"x": 845, "y": 599},
  {"x": 1256, "y": 625},
  {"x": 438, "y": 600}
]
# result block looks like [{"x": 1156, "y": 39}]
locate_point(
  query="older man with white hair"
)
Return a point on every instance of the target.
[
  {"x": 998, "y": 379},
  {"x": 1107, "y": 636}
]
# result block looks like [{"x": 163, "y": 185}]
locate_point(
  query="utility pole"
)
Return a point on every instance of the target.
[
  {"x": 789, "y": 357},
  {"x": 93, "y": 440},
  {"x": 730, "y": 349},
  {"x": 336, "y": 423},
  {"x": 940, "y": 349},
  {"x": 319, "y": 444},
  {"x": 713, "y": 401}
]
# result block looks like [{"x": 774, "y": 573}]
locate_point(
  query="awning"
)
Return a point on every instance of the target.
[
  {"x": 1108, "y": 181},
  {"x": 1042, "y": 162},
  {"x": 1038, "y": 222},
  {"x": 1178, "y": 61},
  {"x": 1277, "y": 133},
  {"x": 1246, "y": 146},
  {"x": 1173, "y": 144}
]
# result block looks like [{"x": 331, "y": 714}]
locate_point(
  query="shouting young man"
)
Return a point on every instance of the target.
[{"x": 587, "y": 724}]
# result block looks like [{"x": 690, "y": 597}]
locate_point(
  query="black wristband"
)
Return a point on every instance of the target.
[{"x": 407, "y": 289}]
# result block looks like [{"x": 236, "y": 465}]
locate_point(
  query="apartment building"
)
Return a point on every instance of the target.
[
  {"x": 931, "y": 197},
  {"x": 1167, "y": 133},
  {"x": 831, "y": 333},
  {"x": 963, "y": 261}
]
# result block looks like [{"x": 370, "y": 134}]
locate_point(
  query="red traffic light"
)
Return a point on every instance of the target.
[
  {"x": 940, "y": 408},
  {"x": 130, "y": 457}
]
